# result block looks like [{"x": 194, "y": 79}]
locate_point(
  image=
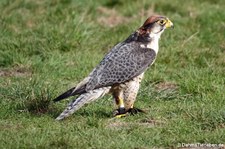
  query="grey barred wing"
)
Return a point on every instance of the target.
[{"x": 121, "y": 65}]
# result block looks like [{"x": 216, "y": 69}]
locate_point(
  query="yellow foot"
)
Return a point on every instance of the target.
[{"x": 120, "y": 115}]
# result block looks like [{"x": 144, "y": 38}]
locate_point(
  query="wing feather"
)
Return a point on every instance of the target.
[{"x": 122, "y": 63}]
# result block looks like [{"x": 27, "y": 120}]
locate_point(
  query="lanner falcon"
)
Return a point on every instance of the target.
[{"x": 121, "y": 70}]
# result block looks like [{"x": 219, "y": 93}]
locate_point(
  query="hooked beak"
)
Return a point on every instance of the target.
[{"x": 169, "y": 24}]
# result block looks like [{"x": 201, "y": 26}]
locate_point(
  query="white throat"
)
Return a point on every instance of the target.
[{"x": 154, "y": 42}]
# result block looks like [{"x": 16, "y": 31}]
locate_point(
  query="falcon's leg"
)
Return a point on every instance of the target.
[
  {"x": 130, "y": 94},
  {"x": 121, "y": 111}
]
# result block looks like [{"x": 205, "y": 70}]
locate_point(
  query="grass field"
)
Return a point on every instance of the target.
[{"x": 46, "y": 47}]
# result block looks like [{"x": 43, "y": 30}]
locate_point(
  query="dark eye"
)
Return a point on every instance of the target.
[{"x": 161, "y": 22}]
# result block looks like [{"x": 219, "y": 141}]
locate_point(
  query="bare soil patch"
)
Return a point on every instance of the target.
[{"x": 15, "y": 72}]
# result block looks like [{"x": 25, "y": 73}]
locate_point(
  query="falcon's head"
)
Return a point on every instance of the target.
[{"x": 154, "y": 26}]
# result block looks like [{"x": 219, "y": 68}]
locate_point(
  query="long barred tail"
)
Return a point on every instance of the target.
[{"x": 82, "y": 100}]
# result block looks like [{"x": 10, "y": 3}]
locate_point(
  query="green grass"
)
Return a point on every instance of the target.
[{"x": 47, "y": 47}]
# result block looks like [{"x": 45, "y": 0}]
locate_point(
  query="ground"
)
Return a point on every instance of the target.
[{"x": 49, "y": 46}]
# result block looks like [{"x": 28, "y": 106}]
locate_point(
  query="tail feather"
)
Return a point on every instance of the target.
[
  {"x": 64, "y": 95},
  {"x": 82, "y": 100},
  {"x": 71, "y": 92},
  {"x": 79, "y": 89}
]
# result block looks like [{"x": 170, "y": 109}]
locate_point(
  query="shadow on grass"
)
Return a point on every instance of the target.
[{"x": 100, "y": 113}]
